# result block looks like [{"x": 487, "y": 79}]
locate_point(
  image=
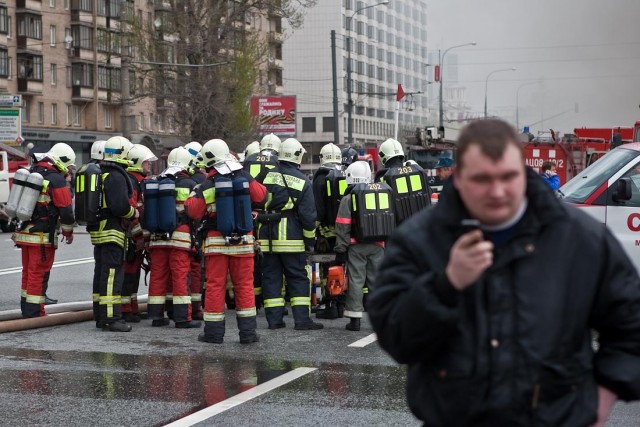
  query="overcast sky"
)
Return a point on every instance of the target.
[{"x": 583, "y": 52}]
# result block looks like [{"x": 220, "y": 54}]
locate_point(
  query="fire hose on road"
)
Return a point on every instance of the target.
[{"x": 59, "y": 314}]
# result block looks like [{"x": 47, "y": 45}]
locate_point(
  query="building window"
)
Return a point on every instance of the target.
[
  {"x": 4, "y": 21},
  {"x": 66, "y": 4},
  {"x": 308, "y": 124},
  {"x": 52, "y": 35},
  {"x": 109, "y": 78},
  {"x": 150, "y": 121},
  {"x": 109, "y": 8},
  {"x": 327, "y": 124},
  {"x": 30, "y": 26},
  {"x": 25, "y": 110},
  {"x": 67, "y": 75},
  {"x": 107, "y": 117},
  {"x": 52, "y": 3},
  {"x": 75, "y": 115},
  {"x": 86, "y": 5},
  {"x": 141, "y": 121},
  {"x": 40, "y": 112},
  {"x": 54, "y": 114},
  {"x": 160, "y": 122},
  {"x": 82, "y": 36},
  {"x": 67, "y": 120},
  {"x": 54, "y": 74},
  {"x": 82, "y": 74},
  {"x": 4, "y": 63}
]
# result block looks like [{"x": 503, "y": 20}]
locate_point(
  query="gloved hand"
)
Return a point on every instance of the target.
[
  {"x": 341, "y": 258},
  {"x": 322, "y": 245},
  {"x": 67, "y": 236}
]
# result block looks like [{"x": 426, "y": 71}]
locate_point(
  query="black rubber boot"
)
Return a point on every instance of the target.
[
  {"x": 131, "y": 318},
  {"x": 213, "y": 332},
  {"x": 193, "y": 324},
  {"x": 117, "y": 326},
  {"x": 160, "y": 322},
  {"x": 247, "y": 327},
  {"x": 354, "y": 325},
  {"x": 311, "y": 326},
  {"x": 330, "y": 312}
]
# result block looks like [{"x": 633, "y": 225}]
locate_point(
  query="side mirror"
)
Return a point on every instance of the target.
[{"x": 623, "y": 190}]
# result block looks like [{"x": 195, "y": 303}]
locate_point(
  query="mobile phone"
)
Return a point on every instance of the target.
[{"x": 468, "y": 225}]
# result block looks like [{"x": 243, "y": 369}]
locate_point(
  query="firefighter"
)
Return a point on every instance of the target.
[
  {"x": 329, "y": 185},
  {"x": 407, "y": 180},
  {"x": 228, "y": 245},
  {"x": 356, "y": 244},
  {"x": 195, "y": 275},
  {"x": 266, "y": 158},
  {"x": 349, "y": 155},
  {"x": 108, "y": 235},
  {"x": 258, "y": 164},
  {"x": 170, "y": 252},
  {"x": 286, "y": 230},
  {"x": 252, "y": 148},
  {"x": 140, "y": 158},
  {"x": 38, "y": 237}
]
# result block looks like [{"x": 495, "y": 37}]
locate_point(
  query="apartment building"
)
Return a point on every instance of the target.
[
  {"x": 389, "y": 47},
  {"x": 72, "y": 64}
]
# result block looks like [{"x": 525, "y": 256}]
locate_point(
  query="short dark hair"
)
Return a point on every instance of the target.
[
  {"x": 547, "y": 165},
  {"x": 492, "y": 136}
]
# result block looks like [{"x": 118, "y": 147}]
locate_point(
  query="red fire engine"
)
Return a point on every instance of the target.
[
  {"x": 572, "y": 153},
  {"x": 11, "y": 160}
]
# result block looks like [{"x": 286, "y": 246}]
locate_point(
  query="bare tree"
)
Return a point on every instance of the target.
[{"x": 217, "y": 54}]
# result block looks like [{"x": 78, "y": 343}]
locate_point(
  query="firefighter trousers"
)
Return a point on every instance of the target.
[
  {"x": 293, "y": 266},
  {"x": 108, "y": 278},
  {"x": 362, "y": 264},
  {"x": 170, "y": 268},
  {"x": 240, "y": 268},
  {"x": 195, "y": 283},
  {"x": 36, "y": 266},
  {"x": 132, "y": 269}
]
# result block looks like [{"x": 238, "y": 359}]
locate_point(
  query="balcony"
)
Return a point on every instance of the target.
[
  {"x": 275, "y": 37},
  {"x": 32, "y": 5},
  {"x": 28, "y": 87},
  {"x": 109, "y": 96},
  {"x": 80, "y": 16},
  {"x": 76, "y": 53},
  {"x": 81, "y": 94}
]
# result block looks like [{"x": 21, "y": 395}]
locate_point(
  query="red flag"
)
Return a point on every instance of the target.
[{"x": 400, "y": 94}]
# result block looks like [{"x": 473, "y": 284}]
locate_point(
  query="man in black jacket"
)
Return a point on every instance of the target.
[{"x": 495, "y": 323}]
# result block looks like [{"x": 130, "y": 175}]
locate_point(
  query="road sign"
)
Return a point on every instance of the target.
[
  {"x": 9, "y": 101},
  {"x": 10, "y": 126}
]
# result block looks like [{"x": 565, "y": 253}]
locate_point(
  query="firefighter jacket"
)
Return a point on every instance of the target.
[
  {"x": 136, "y": 200},
  {"x": 201, "y": 205},
  {"x": 199, "y": 176},
  {"x": 344, "y": 222},
  {"x": 290, "y": 211},
  {"x": 116, "y": 192},
  {"x": 260, "y": 163},
  {"x": 181, "y": 237},
  {"x": 54, "y": 203},
  {"x": 514, "y": 348},
  {"x": 325, "y": 199}
]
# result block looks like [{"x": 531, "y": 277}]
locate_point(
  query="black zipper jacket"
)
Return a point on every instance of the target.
[{"x": 515, "y": 348}]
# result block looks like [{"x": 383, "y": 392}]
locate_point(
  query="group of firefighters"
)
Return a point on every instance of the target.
[{"x": 250, "y": 224}]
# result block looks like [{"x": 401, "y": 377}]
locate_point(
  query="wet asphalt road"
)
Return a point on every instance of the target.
[{"x": 76, "y": 375}]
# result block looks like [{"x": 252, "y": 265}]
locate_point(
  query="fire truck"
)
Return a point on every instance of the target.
[
  {"x": 574, "y": 152},
  {"x": 11, "y": 160},
  {"x": 427, "y": 146}
]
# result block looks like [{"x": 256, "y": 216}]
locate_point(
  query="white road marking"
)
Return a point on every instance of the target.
[
  {"x": 238, "y": 399},
  {"x": 67, "y": 263},
  {"x": 364, "y": 341}
]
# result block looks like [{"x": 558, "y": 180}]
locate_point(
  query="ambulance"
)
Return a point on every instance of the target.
[{"x": 609, "y": 191}]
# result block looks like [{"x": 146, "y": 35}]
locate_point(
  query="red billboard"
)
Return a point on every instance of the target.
[{"x": 275, "y": 114}]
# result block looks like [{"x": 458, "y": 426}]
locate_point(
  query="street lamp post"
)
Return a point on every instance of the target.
[
  {"x": 441, "y": 64},
  {"x": 349, "y": 70},
  {"x": 486, "y": 85},
  {"x": 518, "y": 102}
]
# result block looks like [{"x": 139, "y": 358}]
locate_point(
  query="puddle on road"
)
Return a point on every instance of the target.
[{"x": 193, "y": 381}]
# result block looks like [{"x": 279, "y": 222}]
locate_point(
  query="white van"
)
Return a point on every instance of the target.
[{"x": 609, "y": 190}]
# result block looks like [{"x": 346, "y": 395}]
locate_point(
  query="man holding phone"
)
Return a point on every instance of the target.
[{"x": 490, "y": 297}]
